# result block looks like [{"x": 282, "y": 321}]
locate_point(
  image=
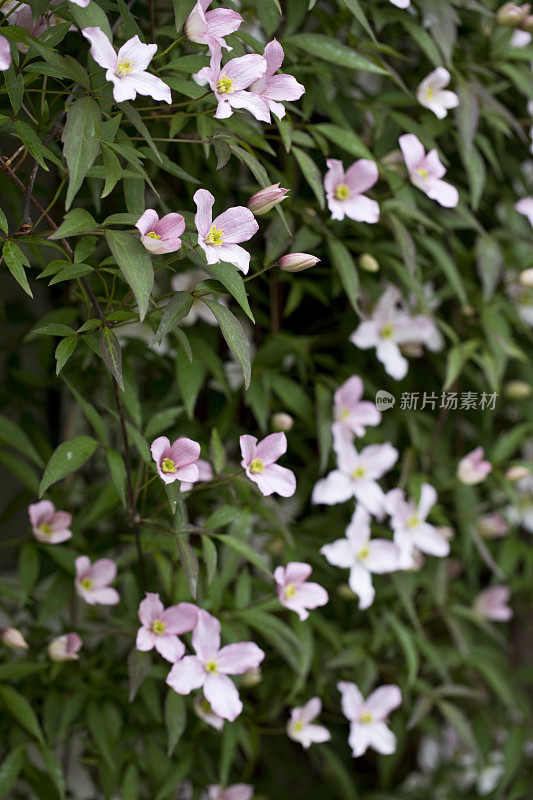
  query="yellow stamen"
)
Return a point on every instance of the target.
[
  {"x": 297, "y": 727},
  {"x": 159, "y": 627},
  {"x": 290, "y": 591},
  {"x": 358, "y": 472},
  {"x": 423, "y": 172},
  {"x": 363, "y": 553},
  {"x": 365, "y": 717},
  {"x": 387, "y": 331},
  {"x": 167, "y": 465},
  {"x": 124, "y": 68},
  {"x": 87, "y": 583},
  {"x": 257, "y": 466},
  {"x": 430, "y": 93},
  {"x": 45, "y": 528},
  {"x": 344, "y": 413},
  {"x": 225, "y": 85},
  {"x": 153, "y": 235},
  {"x": 413, "y": 521},
  {"x": 342, "y": 192},
  {"x": 211, "y": 666},
  {"x": 215, "y": 236}
]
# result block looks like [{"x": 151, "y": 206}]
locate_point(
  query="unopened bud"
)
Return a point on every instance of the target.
[
  {"x": 526, "y": 277},
  {"x": 344, "y": 591},
  {"x": 517, "y": 390},
  {"x": 282, "y": 422},
  {"x": 266, "y": 198},
  {"x": 515, "y": 474},
  {"x": 252, "y": 677},
  {"x": 368, "y": 263},
  {"x": 297, "y": 262},
  {"x": 13, "y": 638},
  {"x": 492, "y": 526},
  {"x": 511, "y": 16},
  {"x": 65, "y": 648},
  {"x": 527, "y": 24}
]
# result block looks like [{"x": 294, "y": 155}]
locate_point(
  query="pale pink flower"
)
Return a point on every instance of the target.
[
  {"x": 426, "y": 171},
  {"x": 230, "y": 82},
  {"x": 48, "y": 525},
  {"x": 356, "y": 476},
  {"x": 472, "y": 468},
  {"x": 205, "y": 473},
  {"x": 211, "y": 665},
  {"x": 411, "y": 530},
  {"x": 202, "y": 708},
  {"x": 276, "y": 89},
  {"x": 262, "y": 201},
  {"x": 389, "y": 327},
  {"x": 344, "y": 190},
  {"x": 352, "y": 414},
  {"x": 210, "y": 27},
  {"x": 368, "y": 726},
  {"x": 297, "y": 262},
  {"x": 21, "y": 14},
  {"x": 218, "y": 237},
  {"x": 295, "y": 591},
  {"x": 92, "y": 581},
  {"x": 14, "y": 639},
  {"x": 362, "y": 556},
  {"x": 300, "y": 727},
  {"x": 401, "y": 3},
  {"x": 177, "y": 462},
  {"x": 525, "y": 207},
  {"x": 239, "y": 791},
  {"x": 259, "y": 461},
  {"x": 160, "y": 235},
  {"x": 432, "y": 94},
  {"x": 493, "y": 525},
  {"x": 127, "y": 69},
  {"x": 520, "y": 38},
  {"x": 493, "y": 604},
  {"x": 65, "y": 648},
  {"x": 5, "y": 54},
  {"x": 161, "y": 626},
  {"x": 81, "y": 3}
]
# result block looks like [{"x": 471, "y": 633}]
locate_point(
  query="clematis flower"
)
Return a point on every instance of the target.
[
  {"x": 356, "y": 476},
  {"x": 65, "y": 648},
  {"x": 389, "y": 327},
  {"x": 21, "y": 14},
  {"x": 426, "y": 171},
  {"x": 127, "y": 69},
  {"x": 160, "y": 235},
  {"x": 362, "y": 556},
  {"x": 493, "y": 604},
  {"x": 48, "y": 525},
  {"x": 202, "y": 708},
  {"x": 210, "y": 27},
  {"x": 81, "y": 3},
  {"x": 297, "y": 262},
  {"x": 300, "y": 727},
  {"x": 276, "y": 89},
  {"x": 92, "y": 581},
  {"x": 295, "y": 591},
  {"x": 344, "y": 190},
  {"x": 205, "y": 473},
  {"x": 218, "y": 237},
  {"x": 13, "y": 638},
  {"x": 352, "y": 414},
  {"x": 432, "y": 94},
  {"x": 5, "y": 54},
  {"x": 262, "y": 201},
  {"x": 259, "y": 461},
  {"x": 473, "y": 468},
  {"x": 211, "y": 665},
  {"x": 525, "y": 207},
  {"x": 230, "y": 82},
  {"x": 401, "y": 3},
  {"x": 176, "y": 462},
  {"x": 161, "y": 626},
  {"x": 411, "y": 531},
  {"x": 239, "y": 791},
  {"x": 368, "y": 726}
]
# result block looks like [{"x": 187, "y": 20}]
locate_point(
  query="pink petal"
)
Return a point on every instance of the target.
[
  {"x": 147, "y": 221},
  {"x": 150, "y": 608},
  {"x": 383, "y": 556},
  {"x": 272, "y": 447},
  {"x": 308, "y": 596},
  {"x": 221, "y": 692},
  {"x": 444, "y": 193},
  {"x": 188, "y": 473},
  {"x": 274, "y": 56},
  {"x": 204, "y": 203},
  {"x": 371, "y": 495},
  {"x": 234, "y": 659},
  {"x": 184, "y": 451},
  {"x": 361, "y": 209},
  {"x": 428, "y": 498},
  {"x": 362, "y": 175},
  {"x": 206, "y": 636},
  {"x": 240, "y": 791},
  {"x": 222, "y": 21},
  {"x": 232, "y": 254},
  {"x": 146, "y": 84},
  {"x": 433, "y": 165},
  {"x": 137, "y": 53},
  {"x": 238, "y": 224},
  {"x": 390, "y": 356},
  {"x": 252, "y": 102},
  {"x": 334, "y": 175},
  {"x": 40, "y": 512},
  {"x": 145, "y": 640},
  {"x": 360, "y": 582},
  {"x": 334, "y": 488},
  {"x": 102, "y": 572},
  {"x": 366, "y": 335},
  {"x": 283, "y": 88},
  {"x": 82, "y": 564},
  {"x": 180, "y": 618},
  {"x": 56, "y": 537},
  {"x": 340, "y": 553},
  {"x": 430, "y": 541},
  {"x": 61, "y": 521},
  {"x": 358, "y": 531},
  {"x": 170, "y": 226},
  {"x": 275, "y": 479},
  {"x": 248, "y": 449},
  {"x": 186, "y": 675},
  {"x": 351, "y": 699},
  {"x": 297, "y": 572},
  {"x": 5, "y": 54},
  {"x": 170, "y": 647},
  {"x": 383, "y": 701},
  {"x": 350, "y": 393},
  {"x": 105, "y": 596},
  {"x": 244, "y": 70},
  {"x": 359, "y": 739},
  {"x": 101, "y": 48},
  {"x": 381, "y": 738},
  {"x": 311, "y": 710},
  {"x": 412, "y": 150}
]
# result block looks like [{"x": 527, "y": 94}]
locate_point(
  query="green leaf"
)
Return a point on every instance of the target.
[
  {"x": 112, "y": 170},
  {"x": 28, "y": 567},
  {"x": 244, "y": 550},
  {"x": 312, "y": 174},
  {"x": 67, "y": 458},
  {"x": 139, "y": 665},
  {"x": 75, "y": 223},
  {"x": 32, "y": 142},
  {"x": 81, "y": 137},
  {"x": 91, "y": 17},
  {"x": 230, "y": 277},
  {"x": 327, "y": 49},
  {"x": 210, "y": 555},
  {"x": 21, "y": 711},
  {"x": 345, "y": 138},
  {"x": 235, "y": 337},
  {"x": 175, "y": 719},
  {"x": 112, "y": 354},
  {"x": 54, "y": 769},
  {"x": 189, "y": 562},
  {"x": 136, "y": 120},
  {"x": 118, "y": 473},
  {"x": 13, "y": 435},
  {"x": 182, "y": 9},
  {"x": 344, "y": 264},
  {"x": 10, "y": 769},
  {"x": 91, "y": 413},
  {"x": 176, "y": 309},
  {"x": 64, "y": 350},
  {"x": 16, "y": 261},
  {"x": 135, "y": 265},
  {"x": 3, "y": 223}
]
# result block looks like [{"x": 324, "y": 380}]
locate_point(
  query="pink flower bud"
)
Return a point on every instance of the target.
[
  {"x": 65, "y": 648},
  {"x": 13, "y": 638},
  {"x": 472, "y": 468},
  {"x": 510, "y": 15},
  {"x": 526, "y": 277},
  {"x": 493, "y": 604},
  {"x": 267, "y": 198},
  {"x": 492, "y": 526},
  {"x": 282, "y": 422},
  {"x": 515, "y": 474},
  {"x": 297, "y": 262}
]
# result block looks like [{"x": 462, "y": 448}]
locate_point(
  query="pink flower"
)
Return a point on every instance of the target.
[
  {"x": 5, "y": 54},
  {"x": 432, "y": 94},
  {"x": 205, "y": 473},
  {"x": 356, "y": 476},
  {"x": 297, "y": 262},
  {"x": 493, "y": 604},
  {"x": 65, "y": 648},
  {"x": 389, "y": 327},
  {"x": 300, "y": 729},
  {"x": 22, "y": 15},
  {"x": 411, "y": 531},
  {"x": 176, "y": 462},
  {"x": 239, "y": 791},
  {"x": 259, "y": 462},
  {"x": 48, "y": 525},
  {"x": 426, "y": 171},
  {"x": 295, "y": 591},
  {"x": 275, "y": 88},
  {"x": 211, "y": 665},
  {"x": 92, "y": 581},
  {"x": 344, "y": 190},
  {"x": 202, "y": 708},
  {"x": 161, "y": 626},
  {"x": 351, "y": 413},
  {"x": 127, "y": 69},
  {"x": 218, "y": 238},
  {"x": 13, "y": 638},
  {"x": 229, "y": 84},
  {"x": 208, "y": 27},
  {"x": 81, "y": 3},
  {"x": 401, "y": 3},
  {"x": 493, "y": 526},
  {"x": 362, "y": 556},
  {"x": 525, "y": 207},
  {"x": 262, "y": 201},
  {"x": 472, "y": 468},
  {"x": 160, "y": 235},
  {"x": 367, "y": 717}
]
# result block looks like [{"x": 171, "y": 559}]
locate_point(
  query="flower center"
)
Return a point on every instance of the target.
[
  {"x": 342, "y": 192},
  {"x": 45, "y": 528},
  {"x": 298, "y": 726},
  {"x": 365, "y": 717},
  {"x": 124, "y": 68},
  {"x": 257, "y": 466},
  {"x": 167, "y": 465},
  {"x": 225, "y": 85},
  {"x": 430, "y": 93},
  {"x": 215, "y": 236},
  {"x": 387, "y": 331},
  {"x": 344, "y": 413},
  {"x": 363, "y": 554},
  {"x": 211, "y": 666},
  {"x": 358, "y": 472},
  {"x": 153, "y": 235},
  {"x": 290, "y": 591},
  {"x": 159, "y": 627},
  {"x": 423, "y": 172},
  {"x": 87, "y": 583},
  {"x": 413, "y": 521}
]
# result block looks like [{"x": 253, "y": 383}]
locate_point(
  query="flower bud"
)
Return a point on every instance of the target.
[
  {"x": 511, "y": 16},
  {"x": 65, "y": 648},
  {"x": 515, "y": 474},
  {"x": 492, "y": 526},
  {"x": 13, "y": 638},
  {"x": 344, "y": 591},
  {"x": 297, "y": 262},
  {"x": 368, "y": 263},
  {"x": 527, "y": 24},
  {"x": 282, "y": 422},
  {"x": 252, "y": 677},
  {"x": 526, "y": 277},
  {"x": 517, "y": 390},
  {"x": 266, "y": 198}
]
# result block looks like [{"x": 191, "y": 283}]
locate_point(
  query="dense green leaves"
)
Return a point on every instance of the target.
[
  {"x": 67, "y": 458},
  {"x": 80, "y": 137},
  {"x": 135, "y": 265}
]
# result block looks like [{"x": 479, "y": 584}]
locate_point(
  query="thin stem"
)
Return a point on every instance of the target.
[{"x": 260, "y": 272}]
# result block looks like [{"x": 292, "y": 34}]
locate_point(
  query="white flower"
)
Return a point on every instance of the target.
[{"x": 431, "y": 93}]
